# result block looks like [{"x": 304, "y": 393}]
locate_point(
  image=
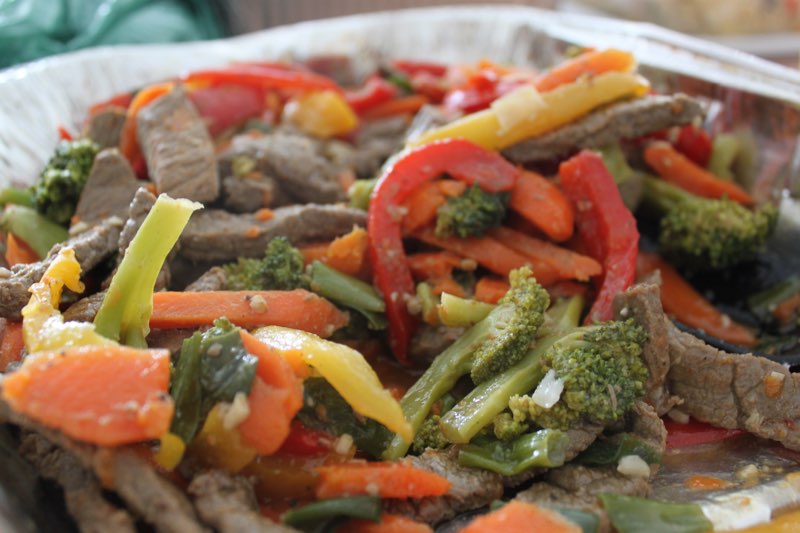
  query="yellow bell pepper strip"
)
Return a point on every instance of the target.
[
  {"x": 220, "y": 446},
  {"x": 322, "y": 114},
  {"x": 344, "y": 368},
  {"x": 43, "y": 326},
  {"x": 556, "y": 108}
]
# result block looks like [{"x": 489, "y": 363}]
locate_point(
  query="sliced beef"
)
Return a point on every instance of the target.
[
  {"x": 623, "y": 120},
  {"x": 109, "y": 188},
  {"x": 248, "y": 193},
  {"x": 647, "y": 425},
  {"x": 227, "y": 503},
  {"x": 178, "y": 149},
  {"x": 85, "y": 309},
  {"x": 170, "y": 339},
  {"x": 429, "y": 341},
  {"x": 471, "y": 488},
  {"x": 213, "y": 280},
  {"x": 105, "y": 127},
  {"x": 296, "y": 162},
  {"x": 215, "y": 235},
  {"x": 643, "y": 302},
  {"x": 82, "y": 493},
  {"x": 92, "y": 247}
]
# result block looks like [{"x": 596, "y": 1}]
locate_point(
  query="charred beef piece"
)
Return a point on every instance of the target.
[
  {"x": 169, "y": 339},
  {"x": 643, "y": 302},
  {"x": 429, "y": 341},
  {"x": 92, "y": 247},
  {"x": 213, "y": 280},
  {"x": 178, "y": 149},
  {"x": 82, "y": 493},
  {"x": 227, "y": 503},
  {"x": 218, "y": 236},
  {"x": 248, "y": 193},
  {"x": 85, "y": 309},
  {"x": 374, "y": 143},
  {"x": 624, "y": 120},
  {"x": 109, "y": 188},
  {"x": 105, "y": 127}
]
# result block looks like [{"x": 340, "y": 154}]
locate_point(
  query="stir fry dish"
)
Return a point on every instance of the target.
[{"x": 282, "y": 297}]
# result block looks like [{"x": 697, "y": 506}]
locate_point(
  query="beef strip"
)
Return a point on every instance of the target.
[
  {"x": 643, "y": 302},
  {"x": 109, "y": 188},
  {"x": 249, "y": 193},
  {"x": 471, "y": 488},
  {"x": 85, "y": 309},
  {"x": 178, "y": 148},
  {"x": 105, "y": 127},
  {"x": 218, "y": 236},
  {"x": 170, "y": 339},
  {"x": 92, "y": 247},
  {"x": 82, "y": 493},
  {"x": 623, "y": 120},
  {"x": 293, "y": 160},
  {"x": 213, "y": 280},
  {"x": 227, "y": 503}
]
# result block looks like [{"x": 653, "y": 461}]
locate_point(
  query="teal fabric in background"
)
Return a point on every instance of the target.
[{"x": 31, "y": 29}]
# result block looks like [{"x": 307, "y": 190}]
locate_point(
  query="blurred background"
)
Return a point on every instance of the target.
[{"x": 31, "y": 29}]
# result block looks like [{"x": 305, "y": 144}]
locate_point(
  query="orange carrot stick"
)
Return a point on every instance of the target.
[
  {"x": 565, "y": 263},
  {"x": 297, "y": 309},
  {"x": 421, "y": 206},
  {"x": 314, "y": 252},
  {"x": 18, "y": 252},
  {"x": 586, "y": 64},
  {"x": 389, "y": 523},
  {"x": 682, "y": 172},
  {"x": 387, "y": 480},
  {"x": 521, "y": 517},
  {"x": 11, "y": 343},
  {"x": 275, "y": 397},
  {"x": 490, "y": 289},
  {"x": 451, "y": 187},
  {"x": 544, "y": 205},
  {"x": 348, "y": 253},
  {"x": 399, "y": 106},
  {"x": 427, "y": 265},
  {"x": 683, "y": 302},
  {"x": 106, "y": 395}
]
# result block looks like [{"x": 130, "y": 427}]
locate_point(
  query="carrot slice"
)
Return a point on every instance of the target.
[
  {"x": 421, "y": 206},
  {"x": 348, "y": 253},
  {"x": 521, "y": 517},
  {"x": 298, "y": 309},
  {"x": 586, "y": 64},
  {"x": 490, "y": 289},
  {"x": 564, "y": 263},
  {"x": 683, "y": 302},
  {"x": 544, "y": 205},
  {"x": 427, "y": 265},
  {"x": 387, "y": 480},
  {"x": 682, "y": 172},
  {"x": 18, "y": 252},
  {"x": 314, "y": 252},
  {"x": 275, "y": 397},
  {"x": 11, "y": 344},
  {"x": 389, "y": 523},
  {"x": 106, "y": 395},
  {"x": 399, "y": 106}
]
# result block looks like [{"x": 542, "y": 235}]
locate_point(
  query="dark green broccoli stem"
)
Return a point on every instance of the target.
[
  {"x": 455, "y": 311},
  {"x": 490, "y": 398},
  {"x": 634, "y": 515},
  {"x": 628, "y": 180},
  {"x": 724, "y": 151},
  {"x": 365, "y": 507},
  {"x": 348, "y": 291},
  {"x": 471, "y": 214},
  {"x": 38, "y": 232},
  {"x": 59, "y": 188},
  {"x": 124, "y": 315},
  {"x": 763, "y": 303},
  {"x": 360, "y": 192},
  {"x": 588, "y": 522},
  {"x": 427, "y": 300},
  {"x": 15, "y": 196},
  {"x": 609, "y": 450},
  {"x": 545, "y": 448}
]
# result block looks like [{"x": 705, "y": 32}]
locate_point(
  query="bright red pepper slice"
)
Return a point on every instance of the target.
[
  {"x": 263, "y": 76},
  {"x": 461, "y": 160},
  {"x": 695, "y": 432},
  {"x": 375, "y": 91},
  {"x": 303, "y": 441},
  {"x": 606, "y": 227},
  {"x": 411, "y": 68},
  {"x": 695, "y": 143},
  {"x": 224, "y": 106}
]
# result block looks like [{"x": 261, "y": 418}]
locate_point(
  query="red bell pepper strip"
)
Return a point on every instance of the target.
[
  {"x": 695, "y": 143},
  {"x": 304, "y": 442},
  {"x": 695, "y": 432},
  {"x": 605, "y": 226},
  {"x": 225, "y": 106},
  {"x": 411, "y": 68},
  {"x": 64, "y": 134},
  {"x": 375, "y": 91},
  {"x": 263, "y": 77},
  {"x": 122, "y": 100},
  {"x": 461, "y": 160}
]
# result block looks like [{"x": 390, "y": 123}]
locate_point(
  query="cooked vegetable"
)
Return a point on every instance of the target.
[
  {"x": 365, "y": 507},
  {"x": 18, "y": 252},
  {"x": 59, "y": 187},
  {"x": 543, "y": 448},
  {"x": 488, "y": 348},
  {"x": 16, "y": 196},
  {"x": 609, "y": 450},
  {"x": 299, "y": 309},
  {"x": 281, "y": 269},
  {"x": 125, "y": 312},
  {"x": 521, "y": 517},
  {"x": 600, "y": 370},
  {"x": 628, "y": 180},
  {"x": 725, "y": 149},
  {"x": 389, "y": 524},
  {"x": 587, "y": 64},
  {"x": 38, "y": 231},
  {"x": 634, "y": 515},
  {"x": 213, "y": 367},
  {"x": 360, "y": 192},
  {"x": 605, "y": 226},
  {"x": 323, "y": 114},
  {"x": 490, "y": 289},
  {"x": 462, "y": 312},
  {"x": 12, "y": 344},
  {"x": 543, "y": 205},
  {"x": 387, "y": 480},
  {"x": 471, "y": 214},
  {"x": 348, "y": 291},
  {"x": 682, "y": 172},
  {"x": 348, "y": 253},
  {"x": 221, "y": 445},
  {"x": 79, "y": 390},
  {"x": 702, "y": 233}
]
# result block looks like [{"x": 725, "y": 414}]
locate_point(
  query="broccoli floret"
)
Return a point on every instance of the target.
[
  {"x": 63, "y": 178},
  {"x": 281, "y": 268},
  {"x": 602, "y": 372},
  {"x": 429, "y": 435},
  {"x": 492, "y": 345},
  {"x": 471, "y": 214},
  {"x": 507, "y": 428},
  {"x": 706, "y": 234}
]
